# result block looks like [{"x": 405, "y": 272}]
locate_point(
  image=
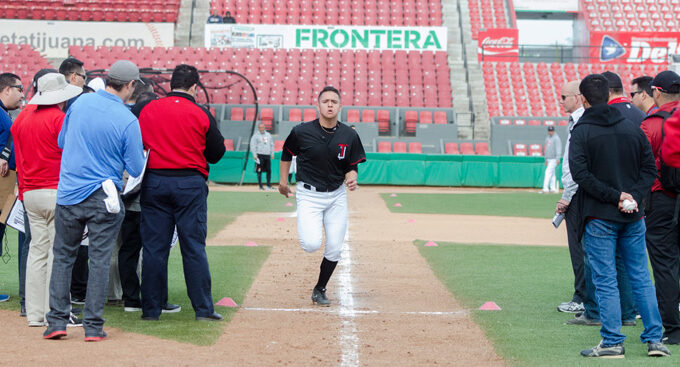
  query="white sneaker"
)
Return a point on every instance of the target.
[
  {"x": 571, "y": 307},
  {"x": 133, "y": 309}
]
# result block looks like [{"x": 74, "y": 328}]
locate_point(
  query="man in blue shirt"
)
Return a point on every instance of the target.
[
  {"x": 100, "y": 138},
  {"x": 11, "y": 95}
]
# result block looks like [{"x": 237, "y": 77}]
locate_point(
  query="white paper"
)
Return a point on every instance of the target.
[
  {"x": 174, "y": 239},
  {"x": 133, "y": 182},
  {"x": 16, "y": 217}
]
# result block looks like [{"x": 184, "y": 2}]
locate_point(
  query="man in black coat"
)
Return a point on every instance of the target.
[
  {"x": 618, "y": 99},
  {"x": 612, "y": 162}
]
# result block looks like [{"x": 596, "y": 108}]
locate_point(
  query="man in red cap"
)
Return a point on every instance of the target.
[{"x": 663, "y": 242}]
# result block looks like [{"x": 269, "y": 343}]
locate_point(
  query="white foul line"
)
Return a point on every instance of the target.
[
  {"x": 349, "y": 341},
  {"x": 330, "y": 310}
]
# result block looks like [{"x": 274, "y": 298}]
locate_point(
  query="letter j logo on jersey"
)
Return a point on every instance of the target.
[{"x": 343, "y": 149}]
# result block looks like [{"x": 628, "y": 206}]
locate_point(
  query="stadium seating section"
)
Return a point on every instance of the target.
[
  {"x": 631, "y": 15},
  {"x": 533, "y": 89},
  {"x": 93, "y": 10},
  {"x": 21, "y": 60},
  {"x": 293, "y": 77},
  {"x": 487, "y": 14},
  {"x": 342, "y": 12}
]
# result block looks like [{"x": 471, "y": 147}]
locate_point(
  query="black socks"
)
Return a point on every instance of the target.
[{"x": 327, "y": 268}]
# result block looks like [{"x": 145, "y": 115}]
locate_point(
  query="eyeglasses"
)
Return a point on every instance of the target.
[
  {"x": 571, "y": 95},
  {"x": 19, "y": 87},
  {"x": 632, "y": 94},
  {"x": 81, "y": 75}
]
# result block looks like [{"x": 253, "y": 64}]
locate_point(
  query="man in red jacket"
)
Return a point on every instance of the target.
[
  {"x": 38, "y": 158},
  {"x": 182, "y": 138},
  {"x": 663, "y": 243}
]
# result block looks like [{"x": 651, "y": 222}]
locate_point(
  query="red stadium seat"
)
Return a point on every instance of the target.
[
  {"x": 440, "y": 117},
  {"x": 236, "y": 114},
  {"x": 295, "y": 114},
  {"x": 229, "y": 145},
  {"x": 384, "y": 147},
  {"x": 368, "y": 116},
  {"x": 250, "y": 114},
  {"x": 310, "y": 114},
  {"x": 425, "y": 117},
  {"x": 353, "y": 116},
  {"x": 482, "y": 148},
  {"x": 278, "y": 145},
  {"x": 466, "y": 148},
  {"x": 383, "y": 120},
  {"x": 451, "y": 148},
  {"x": 519, "y": 149},
  {"x": 399, "y": 147},
  {"x": 535, "y": 150},
  {"x": 415, "y": 147}
]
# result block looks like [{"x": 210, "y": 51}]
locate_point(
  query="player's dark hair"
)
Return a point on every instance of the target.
[
  {"x": 7, "y": 80},
  {"x": 70, "y": 66},
  {"x": 644, "y": 83},
  {"x": 146, "y": 96},
  {"x": 116, "y": 84},
  {"x": 183, "y": 77},
  {"x": 595, "y": 88},
  {"x": 144, "y": 86},
  {"x": 328, "y": 89}
]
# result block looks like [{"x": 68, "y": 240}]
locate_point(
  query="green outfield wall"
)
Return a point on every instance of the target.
[{"x": 414, "y": 169}]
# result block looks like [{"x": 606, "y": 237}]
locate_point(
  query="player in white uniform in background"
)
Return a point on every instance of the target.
[{"x": 328, "y": 153}]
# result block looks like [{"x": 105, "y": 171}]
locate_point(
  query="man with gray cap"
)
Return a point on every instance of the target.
[
  {"x": 38, "y": 158},
  {"x": 619, "y": 101},
  {"x": 662, "y": 236},
  {"x": 100, "y": 138},
  {"x": 552, "y": 152}
]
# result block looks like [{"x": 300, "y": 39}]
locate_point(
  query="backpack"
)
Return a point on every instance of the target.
[{"x": 668, "y": 176}]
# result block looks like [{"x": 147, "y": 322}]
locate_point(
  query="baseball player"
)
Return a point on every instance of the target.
[{"x": 328, "y": 153}]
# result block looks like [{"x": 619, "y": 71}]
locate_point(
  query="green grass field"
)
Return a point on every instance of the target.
[
  {"x": 515, "y": 204},
  {"x": 233, "y": 270},
  {"x": 528, "y": 283}
]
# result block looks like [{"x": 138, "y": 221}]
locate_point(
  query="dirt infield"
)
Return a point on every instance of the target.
[{"x": 389, "y": 308}]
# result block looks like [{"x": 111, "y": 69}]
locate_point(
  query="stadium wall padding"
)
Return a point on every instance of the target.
[{"x": 414, "y": 169}]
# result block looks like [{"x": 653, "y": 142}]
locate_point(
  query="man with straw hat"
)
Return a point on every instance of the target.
[{"x": 38, "y": 157}]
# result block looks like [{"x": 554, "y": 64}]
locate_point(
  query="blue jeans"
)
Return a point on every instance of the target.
[
  {"x": 603, "y": 240},
  {"x": 103, "y": 228},
  {"x": 168, "y": 202},
  {"x": 628, "y": 311}
]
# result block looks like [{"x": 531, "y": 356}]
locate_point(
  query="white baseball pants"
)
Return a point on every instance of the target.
[
  {"x": 322, "y": 210},
  {"x": 550, "y": 179}
]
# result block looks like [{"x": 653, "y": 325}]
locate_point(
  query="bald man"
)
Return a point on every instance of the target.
[{"x": 571, "y": 103}]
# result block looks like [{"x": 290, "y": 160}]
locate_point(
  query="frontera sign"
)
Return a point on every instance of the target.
[{"x": 326, "y": 37}]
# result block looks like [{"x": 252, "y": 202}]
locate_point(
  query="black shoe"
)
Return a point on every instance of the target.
[
  {"x": 319, "y": 297},
  {"x": 22, "y": 313},
  {"x": 54, "y": 333},
  {"x": 582, "y": 320},
  {"x": 601, "y": 351},
  {"x": 171, "y": 308},
  {"x": 149, "y": 318},
  {"x": 214, "y": 317},
  {"x": 76, "y": 311},
  {"x": 73, "y": 321},
  {"x": 657, "y": 350},
  {"x": 670, "y": 341},
  {"x": 78, "y": 301}
]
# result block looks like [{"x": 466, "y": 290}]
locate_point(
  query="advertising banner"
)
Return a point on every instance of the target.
[
  {"x": 53, "y": 38},
  {"x": 498, "y": 44},
  {"x": 546, "y": 5},
  {"x": 634, "y": 47},
  {"x": 326, "y": 37}
]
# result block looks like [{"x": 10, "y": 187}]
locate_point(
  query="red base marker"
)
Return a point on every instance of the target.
[
  {"x": 250, "y": 244},
  {"x": 279, "y": 219},
  {"x": 289, "y": 204},
  {"x": 227, "y": 302},
  {"x": 490, "y": 306},
  {"x": 398, "y": 205}
]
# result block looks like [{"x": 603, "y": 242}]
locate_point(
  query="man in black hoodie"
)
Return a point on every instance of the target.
[{"x": 612, "y": 162}]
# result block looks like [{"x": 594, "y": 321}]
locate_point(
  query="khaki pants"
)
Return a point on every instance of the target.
[{"x": 39, "y": 205}]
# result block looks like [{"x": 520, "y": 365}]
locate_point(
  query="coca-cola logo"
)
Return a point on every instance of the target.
[{"x": 502, "y": 42}]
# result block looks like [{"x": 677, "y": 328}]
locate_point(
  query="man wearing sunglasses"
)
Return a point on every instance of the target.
[
  {"x": 663, "y": 242},
  {"x": 641, "y": 94},
  {"x": 11, "y": 95}
]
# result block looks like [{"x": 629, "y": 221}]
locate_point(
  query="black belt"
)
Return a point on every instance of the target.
[{"x": 317, "y": 189}]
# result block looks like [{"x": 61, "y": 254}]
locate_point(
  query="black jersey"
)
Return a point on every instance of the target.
[{"x": 323, "y": 158}]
